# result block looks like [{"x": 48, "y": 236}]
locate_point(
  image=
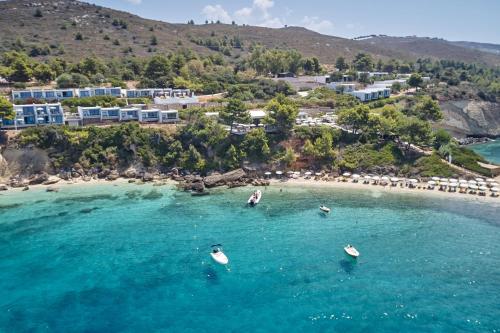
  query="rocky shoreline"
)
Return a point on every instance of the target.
[
  {"x": 196, "y": 184},
  {"x": 473, "y": 140}
]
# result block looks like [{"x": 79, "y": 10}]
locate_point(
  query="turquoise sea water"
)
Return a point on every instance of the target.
[
  {"x": 489, "y": 150},
  {"x": 134, "y": 258}
]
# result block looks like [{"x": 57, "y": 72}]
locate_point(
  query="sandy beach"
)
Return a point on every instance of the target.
[
  {"x": 290, "y": 182},
  {"x": 311, "y": 183}
]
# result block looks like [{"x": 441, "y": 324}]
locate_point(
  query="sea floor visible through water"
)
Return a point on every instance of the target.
[
  {"x": 135, "y": 258},
  {"x": 489, "y": 150}
]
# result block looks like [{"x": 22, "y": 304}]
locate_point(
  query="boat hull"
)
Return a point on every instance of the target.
[
  {"x": 351, "y": 252},
  {"x": 220, "y": 258},
  {"x": 254, "y": 201}
]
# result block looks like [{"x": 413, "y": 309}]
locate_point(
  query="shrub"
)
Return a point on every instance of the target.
[{"x": 431, "y": 166}]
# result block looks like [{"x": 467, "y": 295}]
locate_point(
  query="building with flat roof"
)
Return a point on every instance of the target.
[
  {"x": 28, "y": 115},
  {"x": 371, "y": 94}
]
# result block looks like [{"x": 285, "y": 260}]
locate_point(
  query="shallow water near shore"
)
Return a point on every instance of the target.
[
  {"x": 132, "y": 258},
  {"x": 489, "y": 150}
]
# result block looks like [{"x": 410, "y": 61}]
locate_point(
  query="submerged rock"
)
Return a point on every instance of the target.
[
  {"x": 153, "y": 195},
  {"x": 52, "y": 189}
]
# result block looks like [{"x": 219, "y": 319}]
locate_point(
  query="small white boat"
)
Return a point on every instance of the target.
[
  {"x": 255, "y": 198},
  {"x": 350, "y": 250},
  {"x": 218, "y": 256},
  {"x": 325, "y": 209}
]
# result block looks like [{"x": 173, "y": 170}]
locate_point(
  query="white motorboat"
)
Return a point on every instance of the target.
[
  {"x": 255, "y": 198},
  {"x": 324, "y": 209},
  {"x": 350, "y": 250},
  {"x": 218, "y": 256}
]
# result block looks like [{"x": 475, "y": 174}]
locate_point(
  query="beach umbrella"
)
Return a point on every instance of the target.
[
  {"x": 453, "y": 180},
  {"x": 394, "y": 179},
  {"x": 479, "y": 180},
  {"x": 473, "y": 187},
  {"x": 494, "y": 189},
  {"x": 443, "y": 179},
  {"x": 279, "y": 173},
  {"x": 462, "y": 181},
  {"x": 376, "y": 178},
  {"x": 443, "y": 184},
  {"x": 296, "y": 173},
  {"x": 356, "y": 176},
  {"x": 454, "y": 184},
  {"x": 385, "y": 178},
  {"x": 308, "y": 173},
  {"x": 490, "y": 180},
  {"x": 431, "y": 182},
  {"x": 436, "y": 179},
  {"x": 483, "y": 188},
  {"x": 413, "y": 180},
  {"x": 368, "y": 177},
  {"x": 318, "y": 174},
  {"x": 481, "y": 183},
  {"x": 473, "y": 182},
  {"x": 463, "y": 185},
  {"x": 346, "y": 174},
  {"x": 267, "y": 173},
  {"x": 494, "y": 184}
]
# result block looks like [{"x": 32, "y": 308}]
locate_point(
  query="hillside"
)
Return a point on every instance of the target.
[
  {"x": 485, "y": 47},
  {"x": 104, "y": 32}
]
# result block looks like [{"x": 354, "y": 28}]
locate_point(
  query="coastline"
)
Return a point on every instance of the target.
[
  {"x": 349, "y": 185},
  {"x": 277, "y": 183}
]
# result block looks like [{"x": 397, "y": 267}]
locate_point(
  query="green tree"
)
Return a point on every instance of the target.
[
  {"x": 294, "y": 60},
  {"x": 308, "y": 149},
  {"x": 38, "y": 13},
  {"x": 235, "y": 112},
  {"x": 153, "y": 40},
  {"x": 6, "y": 109},
  {"x": 428, "y": 109},
  {"x": 158, "y": 66},
  {"x": 356, "y": 118},
  {"x": 323, "y": 147},
  {"x": 441, "y": 138},
  {"x": 20, "y": 71},
  {"x": 256, "y": 145},
  {"x": 289, "y": 157},
  {"x": 341, "y": 64},
  {"x": 281, "y": 113},
  {"x": 78, "y": 36},
  {"x": 193, "y": 160},
  {"x": 363, "y": 62},
  {"x": 233, "y": 157},
  {"x": 415, "y": 131},
  {"x": 43, "y": 73},
  {"x": 415, "y": 81},
  {"x": 74, "y": 80}
]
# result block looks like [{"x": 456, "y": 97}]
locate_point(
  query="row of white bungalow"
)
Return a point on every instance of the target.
[
  {"x": 370, "y": 93},
  {"x": 97, "y": 114},
  {"x": 29, "y": 115},
  {"x": 168, "y": 95}
]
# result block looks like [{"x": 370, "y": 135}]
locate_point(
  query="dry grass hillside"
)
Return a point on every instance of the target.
[{"x": 110, "y": 33}]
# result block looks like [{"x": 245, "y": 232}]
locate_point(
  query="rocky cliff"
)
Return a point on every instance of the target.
[
  {"x": 467, "y": 117},
  {"x": 4, "y": 167}
]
